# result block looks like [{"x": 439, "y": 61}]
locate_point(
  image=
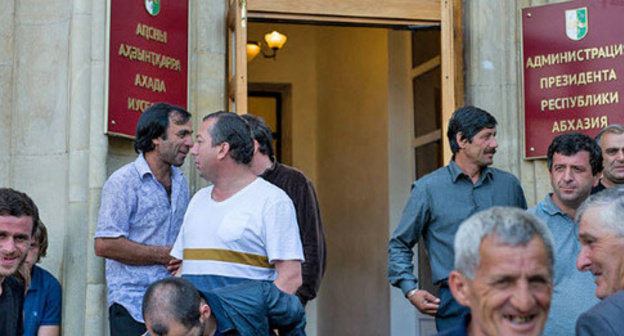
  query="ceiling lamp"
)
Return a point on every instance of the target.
[{"x": 274, "y": 41}]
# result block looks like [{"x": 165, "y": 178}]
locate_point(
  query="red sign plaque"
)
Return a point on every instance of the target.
[
  {"x": 147, "y": 60},
  {"x": 573, "y": 70}
]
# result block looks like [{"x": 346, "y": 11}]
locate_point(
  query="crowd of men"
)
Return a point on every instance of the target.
[
  {"x": 505, "y": 270},
  {"x": 245, "y": 254}
]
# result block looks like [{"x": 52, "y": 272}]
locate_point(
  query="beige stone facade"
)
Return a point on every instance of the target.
[{"x": 52, "y": 144}]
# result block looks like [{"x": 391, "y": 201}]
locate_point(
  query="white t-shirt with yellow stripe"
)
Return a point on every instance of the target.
[{"x": 241, "y": 236}]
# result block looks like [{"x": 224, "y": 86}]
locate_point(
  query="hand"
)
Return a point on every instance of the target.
[
  {"x": 173, "y": 266},
  {"x": 425, "y": 302}
]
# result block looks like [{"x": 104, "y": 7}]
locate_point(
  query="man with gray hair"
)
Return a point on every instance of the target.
[
  {"x": 601, "y": 232},
  {"x": 611, "y": 141},
  {"x": 504, "y": 266}
]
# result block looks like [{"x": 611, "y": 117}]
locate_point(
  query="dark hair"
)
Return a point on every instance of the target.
[
  {"x": 233, "y": 129},
  {"x": 468, "y": 120},
  {"x": 40, "y": 235},
  {"x": 168, "y": 298},
  {"x": 261, "y": 133},
  {"x": 154, "y": 122},
  {"x": 571, "y": 143},
  {"x": 17, "y": 204}
]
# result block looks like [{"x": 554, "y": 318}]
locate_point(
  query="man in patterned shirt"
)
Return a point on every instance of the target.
[{"x": 143, "y": 204}]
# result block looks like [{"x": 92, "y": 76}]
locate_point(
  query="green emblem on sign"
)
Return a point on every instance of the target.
[
  {"x": 576, "y": 23},
  {"x": 152, "y": 7}
]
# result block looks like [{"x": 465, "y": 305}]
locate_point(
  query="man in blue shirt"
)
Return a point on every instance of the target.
[
  {"x": 574, "y": 165},
  {"x": 142, "y": 208},
  {"x": 173, "y": 306},
  {"x": 440, "y": 201}
]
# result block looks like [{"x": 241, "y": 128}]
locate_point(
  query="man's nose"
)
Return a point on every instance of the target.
[
  {"x": 194, "y": 149},
  {"x": 493, "y": 142},
  {"x": 582, "y": 261},
  {"x": 523, "y": 299},
  {"x": 8, "y": 246}
]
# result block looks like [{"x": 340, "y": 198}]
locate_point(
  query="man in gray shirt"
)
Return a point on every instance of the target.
[{"x": 440, "y": 201}]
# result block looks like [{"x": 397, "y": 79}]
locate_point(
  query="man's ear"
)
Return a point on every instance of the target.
[
  {"x": 459, "y": 286},
  {"x": 224, "y": 150},
  {"x": 256, "y": 146},
  {"x": 596, "y": 179},
  {"x": 461, "y": 142},
  {"x": 204, "y": 312}
]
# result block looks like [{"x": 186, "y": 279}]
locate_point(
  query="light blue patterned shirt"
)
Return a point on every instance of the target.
[
  {"x": 574, "y": 290},
  {"x": 135, "y": 206}
]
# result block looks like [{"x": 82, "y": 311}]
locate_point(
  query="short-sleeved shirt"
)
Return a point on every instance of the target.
[
  {"x": 42, "y": 306},
  {"x": 11, "y": 302},
  {"x": 240, "y": 237},
  {"x": 438, "y": 204},
  {"x": 574, "y": 290},
  {"x": 136, "y": 206}
]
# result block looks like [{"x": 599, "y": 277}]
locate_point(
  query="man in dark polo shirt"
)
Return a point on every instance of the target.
[
  {"x": 440, "y": 201},
  {"x": 18, "y": 217},
  {"x": 300, "y": 189}
]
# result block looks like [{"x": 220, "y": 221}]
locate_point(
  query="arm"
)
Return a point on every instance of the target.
[
  {"x": 285, "y": 312},
  {"x": 288, "y": 275},
  {"x": 313, "y": 241},
  {"x": 400, "y": 253},
  {"x": 403, "y": 240},
  {"x": 131, "y": 253}
]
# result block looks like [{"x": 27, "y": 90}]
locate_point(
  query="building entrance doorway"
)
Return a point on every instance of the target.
[{"x": 360, "y": 116}]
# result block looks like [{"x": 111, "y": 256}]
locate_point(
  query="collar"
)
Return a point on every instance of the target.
[
  {"x": 456, "y": 172},
  {"x": 35, "y": 280},
  {"x": 223, "y": 322},
  {"x": 548, "y": 206},
  {"x": 143, "y": 168}
]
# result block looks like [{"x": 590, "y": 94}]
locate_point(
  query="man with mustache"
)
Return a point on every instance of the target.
[
  {"x": 142, "y": 209},
  {"x": 440, "y": 201},
  {"x": 611, "y": 141},
  {"x": 18, "y": 221},
  {"x": 601, "y": 232},
  {"x": 574, "y": 163}
]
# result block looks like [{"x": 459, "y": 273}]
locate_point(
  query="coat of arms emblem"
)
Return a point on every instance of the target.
[
  {"x": 576, "y": 23},
  {"x": 152, "y": 7}
]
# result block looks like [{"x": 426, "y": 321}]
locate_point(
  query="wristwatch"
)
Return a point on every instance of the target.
[{"x": 411, "y": 293}]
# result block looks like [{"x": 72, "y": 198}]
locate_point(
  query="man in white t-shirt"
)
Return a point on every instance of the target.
[{"x": 241, "y": 227}]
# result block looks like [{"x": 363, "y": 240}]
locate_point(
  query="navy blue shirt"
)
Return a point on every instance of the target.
[
  {"x": 256, "y": 308},
  {"x": 438, "y": 204},
  {"x": 42, "y": 305}
]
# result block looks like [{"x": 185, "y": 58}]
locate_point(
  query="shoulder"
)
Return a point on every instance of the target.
[
  {"x": 442, "y": 174},
  {"x": 123, "y": 175},
  {"x": 609, "y": 305},
  {"x": 604, "y": 316},
  {"x": 49, "y": 280},
  {"x": 268, "y": 190},
  {"x": 506, "y": 176}
]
